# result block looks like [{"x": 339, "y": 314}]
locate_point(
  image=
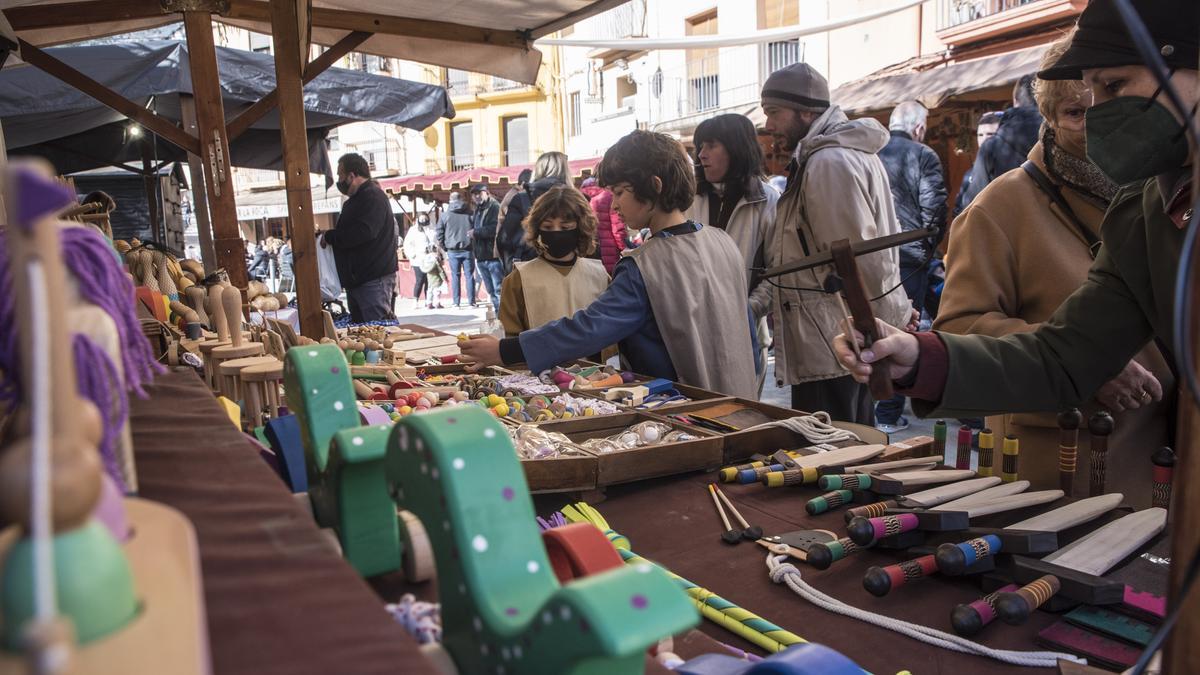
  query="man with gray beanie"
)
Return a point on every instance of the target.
[{"x": 837, "y": 189}]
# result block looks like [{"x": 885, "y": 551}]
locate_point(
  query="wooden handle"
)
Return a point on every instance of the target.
[
  {"x": 880, "y": 382},
  {"x": 196, "y": 296},
  {"x": 231, "y": 300},
  {"x": 188, "y": 314},
  {"x": 218, "y": 312}
]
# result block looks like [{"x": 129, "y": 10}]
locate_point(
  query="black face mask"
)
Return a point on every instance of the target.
[
  {"x": 343, "y": 187},
  {"x": 560, "y": 243}
]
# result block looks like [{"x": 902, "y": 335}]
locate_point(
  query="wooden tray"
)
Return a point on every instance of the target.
[{"x": 561, "y": 474}]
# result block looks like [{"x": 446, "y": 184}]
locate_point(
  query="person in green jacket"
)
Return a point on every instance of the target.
[{"x": 1136, "y": 134}]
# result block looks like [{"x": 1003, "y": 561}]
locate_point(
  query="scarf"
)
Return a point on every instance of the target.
[
  {"x": 1080, "y": 175},
  {"x": 722, "y": 199}
]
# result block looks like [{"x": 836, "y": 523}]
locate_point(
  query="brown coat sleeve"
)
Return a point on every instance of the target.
[
  {"x": 980, "y": 296},
  {"x": 512, "y": 305}
]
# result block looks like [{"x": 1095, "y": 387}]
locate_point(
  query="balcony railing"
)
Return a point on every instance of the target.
[
  {"x": 957, "y": 12},
  {"x": 487, "y": 160},
  {"x": 463, "y": 83}
]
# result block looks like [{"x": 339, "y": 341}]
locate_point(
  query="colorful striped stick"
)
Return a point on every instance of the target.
[
  {"x": 1099, "y": 426},
  {"x": 845, "y": 481},
  {"x": 954, "y": 558},
  {"x": 729, "y": 474},
  {"x": 879, "y": 581},
  {"x": 1014, "y": 607},
  {"x": 968, "y": 620},
  {"x": 827, "y": 501},
  {"x": 1068, "y": 447},
  {"x": 871, "y": 510},
  {"x": 1012, "y": 450},
  {"x": 780, "y": 477},
  {"x": 741, "y": 622},
  {"x": 963, "y": 458},
  {"x": 821, "y": 556},
  {"x": 866, "y": 531},
  {"x": 939, "y": 440},
  {"x": 1164, "y": 467},
  {"x": 987, "y": 453}
]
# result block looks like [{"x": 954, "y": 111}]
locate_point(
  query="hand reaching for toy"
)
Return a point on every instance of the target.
[
  {"x": 900, "y": 348},
  {"x": 481, "y": 350}
]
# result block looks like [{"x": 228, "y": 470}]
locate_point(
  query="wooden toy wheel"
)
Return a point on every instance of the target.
[{"x": 418, "y": 552}]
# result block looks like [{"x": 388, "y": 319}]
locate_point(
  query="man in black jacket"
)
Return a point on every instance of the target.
[
  {"x": 364, "y": 243},
  {"x": 483, "y": 241},
  {"x": 454, "y": 236},
  {"x": 1008, "y": 149},
  {"x": 919, "y": 194}
]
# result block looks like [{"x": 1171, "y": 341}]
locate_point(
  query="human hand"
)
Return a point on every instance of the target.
[
  {"x": 321, "y": 240},
  {"x": 481, "y": 350},
  {"x": 901, "y": 350},
  {"x": 1131, "y": 389},
  {"x": 914, "y": 321}
]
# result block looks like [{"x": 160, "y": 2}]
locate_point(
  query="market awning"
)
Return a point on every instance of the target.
[
  {"x": 461, "y": 180},
  {"x": 492, "y": 38},
  {"x": 933, "y": 86},
  {"x": 44, "y": 116}
]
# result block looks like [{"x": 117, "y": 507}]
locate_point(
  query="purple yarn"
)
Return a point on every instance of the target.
[{"x": 100, "y": 383}]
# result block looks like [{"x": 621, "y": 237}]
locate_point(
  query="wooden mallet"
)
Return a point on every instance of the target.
[
  {"x": 730, "y": 536},
  {"x": 749, "y": 532}
]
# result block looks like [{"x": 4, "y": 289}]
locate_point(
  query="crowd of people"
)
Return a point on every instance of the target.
[{"x": 661, "y": 254}]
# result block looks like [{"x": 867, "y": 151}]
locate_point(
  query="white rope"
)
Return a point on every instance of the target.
[
  {"x": 816, "y": 427},
  {"x": 41, "y": 530},
  {"x": 782, "y": 572}
]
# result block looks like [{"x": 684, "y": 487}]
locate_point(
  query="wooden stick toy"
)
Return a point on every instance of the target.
[
  {"x": 834, "y": 286},
  {"x": 1164, "y": 468},
  {"x": 1068, "y": 447},
  {"x": 962, "y": 459},
  {"x": 880, "y": 382},
  {"x": 984, "y": 496},
  {"x": 730, "y": 535},
  {"x": 898, "y": 483},
  {"x": 924, "y": 499},
  {"x": 987, "y": 453},
  {"x": 821, "y": 556},
  {"x": 1014, "y": 607},
  {"x": 879, "y": 581},
  {"x": 939, "y": 440},
  {"x": 968, "y": 620},
  {"x": 749, "y": 532},
  {"x": 867, "y": 531},
  {"x": 1012, "y": 449},
  {"x": 1099, "y": 426},
  {"x": 828, "y": 501}
]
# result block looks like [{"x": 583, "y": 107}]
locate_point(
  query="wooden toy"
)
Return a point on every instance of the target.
[
  {"x": 866, "y": 531},
  {"x": 821, "y": 556},
  {"x": 924, "y": 499},
  {"x": 1105, "y": 621},
  {"x": 939, "y": 440},
  {"x": 1097, "y": 649},
  {"x": 898, "y": 483},
  {"x": 962, "y": 458},
  {"x": 72, "y": 596},
  {"x": 987, "y": 453},
  {"x": 828, "y": 501},
  {"x": 844, "y": 262},
  {"x": 801, "y": 659},
  {"x": 260, "y": 386},
  {"x": 968, "y": 620},
  {"x": 502, "y": 607},
  {"x": 749, "y": 532},
  {"x": 1008, "y": 466},
  {"x": 1068, "y": 447},
  {"x": 283, "y": 435},
  {"x": 1013, "y": 607},
  {"x": 1164, "y": 468},
  {"x": 231, "y": 304},
  {"x": 730, "y": 535},
  {"x": 229, "y": 374},
  {"x": 796, "y": 544},
  {"x": 840, "y": 457},
  {"x": 984, "y": 496},
  {"x": 1100, "y": 426},
  {"x": 344, "y": 462}
]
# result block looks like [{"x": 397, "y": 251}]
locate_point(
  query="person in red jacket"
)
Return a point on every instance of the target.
[{"x": 610, "y": 229}]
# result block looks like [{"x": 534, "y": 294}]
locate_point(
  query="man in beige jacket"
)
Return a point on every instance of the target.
[{"x": 837, "y": 189}]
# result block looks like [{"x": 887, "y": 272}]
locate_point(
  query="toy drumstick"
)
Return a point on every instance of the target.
[
  {"x": 1068, "y": 447},
  {"x": 730, "y": 536},
  {"x": 1014, "y": 607},
  {"x": 1099, "y": 426},
  {"x": 749, "y": 532}
]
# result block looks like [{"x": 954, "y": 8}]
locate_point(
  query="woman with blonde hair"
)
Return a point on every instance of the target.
[
  {"x": 1017, "y": 252},
  {"x": 550, "y": 169}
]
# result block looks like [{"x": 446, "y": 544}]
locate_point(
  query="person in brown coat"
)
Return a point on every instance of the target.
[{"x": 1016, "y": 253}]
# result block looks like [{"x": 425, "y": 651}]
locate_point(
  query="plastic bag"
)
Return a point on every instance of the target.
[{"x": 331, "y": 285}]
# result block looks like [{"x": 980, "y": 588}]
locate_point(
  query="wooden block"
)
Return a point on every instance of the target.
[
  {"x": 1095, "y": 648},
  {"x": 917, "y": 446},
  {"x": 899, "y": 483},
  {"x": 1108, "y": 622},
  {"x": 283, "y": 434}
]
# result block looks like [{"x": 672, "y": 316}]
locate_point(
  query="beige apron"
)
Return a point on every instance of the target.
[{"x": 551, "y": 295}]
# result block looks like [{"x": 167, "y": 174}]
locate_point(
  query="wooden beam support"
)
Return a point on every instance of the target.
[
  {"x": 289, "y": 62},
  {"x": 256, "y": 10},
  {"x": 574, "y": 17},
  {"x": 150, "y": 187},
  {"x": 148, "y": 119},
  {"x": 238, "y": 125},
  {"x": 214, "y": 147},
  {"x": 42, "y": 16},
  {"x": 208, "y": 255}
]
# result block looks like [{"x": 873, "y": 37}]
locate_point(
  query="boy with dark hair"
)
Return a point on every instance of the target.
[{"x": 677, "y": 304}]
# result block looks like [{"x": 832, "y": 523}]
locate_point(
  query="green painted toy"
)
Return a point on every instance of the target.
[
  {"x": 503, "y": 610},
  {"x": 344, "y": 461}
]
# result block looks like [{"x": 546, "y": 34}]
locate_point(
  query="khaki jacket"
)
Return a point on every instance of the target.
[
  {"x": 1013, "y": 258},
  {"x": 838, "y": 190}
]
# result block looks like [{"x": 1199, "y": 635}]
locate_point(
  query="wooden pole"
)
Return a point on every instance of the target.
[
  {"x": 150, "y": 187},
  {"x": 208, "y": 255},
  {"x": 289, "y": 63}
]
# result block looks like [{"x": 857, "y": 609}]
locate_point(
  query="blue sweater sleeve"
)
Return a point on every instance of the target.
[{"x": 619, "y": 311}]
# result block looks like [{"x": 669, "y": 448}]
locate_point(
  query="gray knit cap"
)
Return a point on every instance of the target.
[{"x": 797, "y": 86}]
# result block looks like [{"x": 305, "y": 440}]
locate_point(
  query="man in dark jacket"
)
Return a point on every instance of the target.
[
  {"x": 989, "y": 124},
  {"x": 364, "y": 243},
  {"x": 454, "y": 236},
  {"x": 919, "y": 194},
  {"x": 483, "y": 241},
  {"x": 1008, "y": 149}
]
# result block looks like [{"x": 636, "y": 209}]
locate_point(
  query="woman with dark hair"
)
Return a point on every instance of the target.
[{"x": 732, "y": 195}]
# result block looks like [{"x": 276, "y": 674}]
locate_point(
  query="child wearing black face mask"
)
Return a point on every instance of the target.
[{"x": 560, "y": 281}]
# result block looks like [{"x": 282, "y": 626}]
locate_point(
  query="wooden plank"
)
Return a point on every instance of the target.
[
  {"x": 1099, "y": 551},
  {"x": 255, "y": 10},
  {"x": 1002, "y": 490},
  {"x": 945, "y": 493},
  {"x": 1071, "y": 515},
  {"x": 294, "y": 139},
  {"x": 1012, "y": 502},
  {"x": 214, "y": 148},
  {"x": 151, "y": 121},
  {"x": 41, "y": 16},
  {"x": 898, "y": 483},
  {"x": 208, "y": 256},
  {"x": 238, "y": 125}
]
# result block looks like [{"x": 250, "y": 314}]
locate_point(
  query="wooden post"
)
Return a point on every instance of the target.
[
  {"x": 150, "y": 187},
  {"x": 208, "y": 256},
  {"x": 214, "y": 148},
  {"x": 289, "y": 63}
]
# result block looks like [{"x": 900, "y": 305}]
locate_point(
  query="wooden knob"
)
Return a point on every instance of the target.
[
  {"x": 1101, "y": 424},
  {"x": 74, "y": 483},
  {"x": 217, "y": 311},
  {"x": 231, "y": 300},
  {"x": 1070, "y": 419}
]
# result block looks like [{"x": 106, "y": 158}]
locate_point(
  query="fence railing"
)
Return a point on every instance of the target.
[
  {"x": 953, "y": 13},
  {"x": 486, "y": 160}
]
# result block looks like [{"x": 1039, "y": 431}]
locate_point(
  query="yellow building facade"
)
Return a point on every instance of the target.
[{"x": 498, "y": 122}]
